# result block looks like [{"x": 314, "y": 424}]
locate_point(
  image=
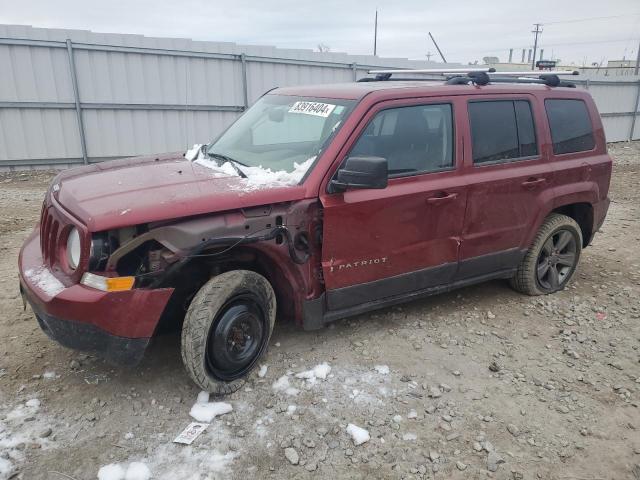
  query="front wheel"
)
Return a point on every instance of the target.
[
  {"x": 552, "y": 259},
  {"x": 227, "y": 329}
]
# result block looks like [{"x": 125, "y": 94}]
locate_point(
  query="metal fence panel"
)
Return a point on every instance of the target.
[{"x": 138, "y": 95}]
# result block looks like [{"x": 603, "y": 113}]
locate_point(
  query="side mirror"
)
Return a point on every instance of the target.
[{"x": 360, "y": 172}]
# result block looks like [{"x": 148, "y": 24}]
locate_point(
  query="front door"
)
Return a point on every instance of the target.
[{"x": 380, "y": 244}]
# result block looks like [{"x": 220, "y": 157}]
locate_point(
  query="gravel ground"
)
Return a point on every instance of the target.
[{"x": 481, "y": 382}]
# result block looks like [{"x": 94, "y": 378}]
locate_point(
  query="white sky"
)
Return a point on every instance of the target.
[{"x": 466, "y": 30}]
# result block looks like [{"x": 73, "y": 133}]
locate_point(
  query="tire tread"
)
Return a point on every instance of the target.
[
  {"x": 199, "y": 317},
  {"x": 524, "y": 280}
]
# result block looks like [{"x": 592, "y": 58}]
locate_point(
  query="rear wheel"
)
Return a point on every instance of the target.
[
  {"x": 227, "y": 329},
  {"x": 552, "y": 259}
]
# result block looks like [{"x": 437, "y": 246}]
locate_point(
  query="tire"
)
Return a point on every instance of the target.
[
  {"x": 227, "y": 329},
  {"x": 535, "y": 274}
]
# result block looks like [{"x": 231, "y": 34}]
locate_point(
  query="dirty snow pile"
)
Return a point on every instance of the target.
[
  {"x": 256, "y": 176},
  {"x": 205, "y": 411},
  {"x": 21, "y": 427}
]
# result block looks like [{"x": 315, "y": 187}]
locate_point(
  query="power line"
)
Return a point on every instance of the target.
[
  {"x": 576, "y": 20},
  {"x": 563, "y": 44}
]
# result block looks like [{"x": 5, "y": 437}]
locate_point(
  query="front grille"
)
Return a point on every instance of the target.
[{"x": 51, "y": 226}]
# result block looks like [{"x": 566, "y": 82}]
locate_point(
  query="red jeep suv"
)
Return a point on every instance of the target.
[{"x": 320, "y": 202}]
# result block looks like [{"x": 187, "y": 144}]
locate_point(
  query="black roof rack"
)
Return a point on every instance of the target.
[{"x": 480, "y": 76}]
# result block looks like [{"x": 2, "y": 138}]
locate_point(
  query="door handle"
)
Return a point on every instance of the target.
[
  {"x": 442, "y": 198},
  {"x": 533, "y": 182}
]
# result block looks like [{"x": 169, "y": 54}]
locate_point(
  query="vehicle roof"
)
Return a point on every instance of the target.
[{"x": 357, "y": 90}]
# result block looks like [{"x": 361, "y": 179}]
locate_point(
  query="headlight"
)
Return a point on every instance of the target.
[{"x": 73, "y": 248}]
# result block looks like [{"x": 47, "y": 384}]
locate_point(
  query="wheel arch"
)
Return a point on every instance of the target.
[
  {"x": 582, "y": 213},
  {"x": 270, "y": 263}
]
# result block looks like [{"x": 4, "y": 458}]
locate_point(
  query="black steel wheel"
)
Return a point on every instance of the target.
[
  {"x": 236, "y": 339},
  {"x": 227, "y": 329},
  {"x": 552, "y": 259}
]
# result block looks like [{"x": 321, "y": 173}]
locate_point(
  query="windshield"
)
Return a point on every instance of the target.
[{"x": 281, "y": 133}]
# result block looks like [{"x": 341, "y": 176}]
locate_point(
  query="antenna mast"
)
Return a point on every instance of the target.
[{"x": 437, "y": 48}]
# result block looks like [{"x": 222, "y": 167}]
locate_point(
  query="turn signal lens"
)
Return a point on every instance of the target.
[
  {"x": 107, "y": 284},
  {"x": 115, "y": 284}
]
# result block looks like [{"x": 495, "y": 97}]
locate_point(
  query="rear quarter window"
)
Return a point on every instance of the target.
[{"x": 570, "y": 125}]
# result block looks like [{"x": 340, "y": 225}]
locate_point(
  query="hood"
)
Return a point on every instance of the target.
[{"x": 140, "y": 190}]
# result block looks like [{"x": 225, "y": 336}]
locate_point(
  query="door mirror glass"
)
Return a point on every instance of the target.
[{"x": 360, "y": 172}]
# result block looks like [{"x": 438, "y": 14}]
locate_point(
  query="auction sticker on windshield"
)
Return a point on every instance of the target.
[{"x": 312, "y": 108}]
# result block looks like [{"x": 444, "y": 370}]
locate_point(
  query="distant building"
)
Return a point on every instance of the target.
[{"x": 621, "y": 63}]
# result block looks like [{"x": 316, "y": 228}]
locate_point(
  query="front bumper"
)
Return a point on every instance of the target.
[{"x": 116, "y": 325}]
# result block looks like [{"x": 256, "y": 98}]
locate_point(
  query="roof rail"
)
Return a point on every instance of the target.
[
  {"x": 550, "y": 78},
  {"x": 478, "y": 76},
  {"x": 435, "y": 71}
]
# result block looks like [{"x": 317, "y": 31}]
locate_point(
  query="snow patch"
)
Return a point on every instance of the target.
[
  {"x": 137, "y": 471},
  {"x": 42, "y": 278},
  {"x": 113, "y": 471},
  {"x": 206, "y": 412},
  {"x": 382, "y": 369},
  {"x": 283, "y": 385},
  {"x": 194, "y": 152},
  {"x": 359, "y": 435},
  {"x": 318, "y": 372},
  {"x": 409, "y": 437},
  {"x": 263, "y": 371},
  {"x": 188, "y": 462},
  {"x": 257, "y": 177},
  {"x": 203, "y": 397},
  {"x": 49, "y": 375}
]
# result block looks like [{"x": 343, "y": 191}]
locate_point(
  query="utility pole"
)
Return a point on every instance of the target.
[
  {"x": 537, "y": 31},
  {"x": 429, "y": 54},
  {"x": 375, "y": 36}
]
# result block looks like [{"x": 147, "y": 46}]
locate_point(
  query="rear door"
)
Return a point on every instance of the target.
[
  {"x": 510, "y": 181},
  {"x": 379, "y": 244}
]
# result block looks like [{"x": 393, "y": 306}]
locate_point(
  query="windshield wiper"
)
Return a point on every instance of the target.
[{"x": 234, "y": 163}]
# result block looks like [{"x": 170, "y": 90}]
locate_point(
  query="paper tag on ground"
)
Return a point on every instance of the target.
[
  {"x": 312, "y": 108},
  {"x": 190, "y": 433}
]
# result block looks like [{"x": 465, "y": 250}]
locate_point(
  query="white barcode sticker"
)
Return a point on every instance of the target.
[
  {"x": 312, "y": 108},
  {"x": 190, "y": 433}
]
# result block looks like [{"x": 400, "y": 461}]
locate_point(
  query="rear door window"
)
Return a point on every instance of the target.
[
  {"x": 570, "y": 124},
  {"x": 501, "y": 131}
]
